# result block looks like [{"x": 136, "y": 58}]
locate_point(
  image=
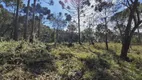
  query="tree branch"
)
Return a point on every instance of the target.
[{"x": 136, "y": 26}]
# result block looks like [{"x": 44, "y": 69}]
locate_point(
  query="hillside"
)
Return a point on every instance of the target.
[{"x": 41, "y": 61}]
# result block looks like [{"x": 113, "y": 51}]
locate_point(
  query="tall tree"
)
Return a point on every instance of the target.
[
  {"x": 15, "y": 36},
  {"x": 133, "y": 23},
  {"x": 105, "y": 7},
  {"x": 32, "y": 35},
  {"x": 42, "y": 12},
  {"x": 75, "y": 6},
  {"x": 26, "y": 22},
  {"x": 58, "y": 23},
  {"x": 71, "y": 29},
  {"x": 38, "y": 13},
  {"x": 88, "y": 32}
]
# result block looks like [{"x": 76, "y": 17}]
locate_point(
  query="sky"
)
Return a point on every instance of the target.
[{"x": 56, "y": 8}]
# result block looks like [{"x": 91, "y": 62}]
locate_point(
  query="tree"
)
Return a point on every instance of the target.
[
  {"x": 119, "y": 20},
  {"x": 105, "y": 7},
  {"x": 89, "y": 35},
  {"x": 41, "y": 12},
  {"x": 100, "y": 33},
  {"x": 58, "y": 23},
  {"x": 26, "y": 22},
  {"x": 5, "y": 22},
  {"x": 11, "y": 4},
  {"x": 89, "y": 30},
  {"x": 15, "y": 36},
  {"x": 133, "y": 23},
  {"x": 33, "y": 23},
  {"x": 71, "y": 29},
  {"x": 75, "y": 6}
]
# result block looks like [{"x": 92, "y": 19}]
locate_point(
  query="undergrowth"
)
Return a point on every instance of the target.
[{"x": 41, "y": 61}]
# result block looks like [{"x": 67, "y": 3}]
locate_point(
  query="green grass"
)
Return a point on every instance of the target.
[{"x": 39, "y": 61}]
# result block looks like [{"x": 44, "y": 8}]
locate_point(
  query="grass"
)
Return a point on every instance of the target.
[{"x": 40, "y": 61}]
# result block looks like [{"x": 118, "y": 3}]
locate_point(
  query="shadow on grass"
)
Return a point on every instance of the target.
[
  {"x": 38, "y": 63},
  {"x": 66, "y": 55},
  {"x": 71, "y": 67},
  {"x": 33, "y": 62},
  {"x": 100, "y": 64},
  {"x": 108, "y": 52},
  {"x": 96, "y": 64}
]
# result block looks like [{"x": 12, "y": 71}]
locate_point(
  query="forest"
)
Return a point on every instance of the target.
[{"x": 70, "y": 39}]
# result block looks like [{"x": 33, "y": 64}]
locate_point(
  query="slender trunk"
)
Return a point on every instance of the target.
[
  {"x": 78, "y": 12},
  {"x": 33, "y": 23},
  {"x": 15, "y": 36},
  {"x": 139, "y": 36},
  {"x": 55, "y": 37},
  {"x": 14, "y": 13},
  {"x": 26, "y": 23},
  {"x": 39, "y": 27},
  {"x": 106, "y": 30},
  {"x": 71, "y": 37},
  {"x": 106, "y": 34},
  {"x": 91, "y": 41},
  {"x": 90, "y": 36},
  {"x": 106, "y": 39},
  {"x": 11, "y": 34}
]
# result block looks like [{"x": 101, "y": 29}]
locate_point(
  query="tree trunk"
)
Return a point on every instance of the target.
[
  {"x": 139, "y": 36},
  {"x": 55, "y": 37},
  {"x": 91, "y": 41},
  {"x": 71, "y": 38},
  {"x": 129, "y": 31},
  {"x": 125, "y": 47},
  {"x": 26, "y": 23},
  {"x": 15, "y": 36},
  {"x": 78, "y": 12},
  {"x": 11, "y": 33},
  {"x": 106, "y": 34},
  {"x": 33, "y": 23},
  {"x": 90, "y": 36},
  {"x": 106, "y": 40},
  {"x": 106, "y": 30},
  {"x": 127, "y": 38},
  {"x": 39, "y": 27}
]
